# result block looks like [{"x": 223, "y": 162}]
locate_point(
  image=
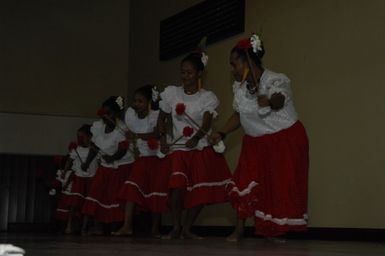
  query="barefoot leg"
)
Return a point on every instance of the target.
[
  {"x": 126, "y": 229},
  {"x": 238, "y": 232},
  {"x": 69, "y": 226},
  {"x": 155, "y": 233},
  {"x": 176, "y": 211},
  {"x": 191, "y": 216}
]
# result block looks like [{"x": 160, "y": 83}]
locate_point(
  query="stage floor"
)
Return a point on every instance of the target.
[{"x": 60, "y": 245}]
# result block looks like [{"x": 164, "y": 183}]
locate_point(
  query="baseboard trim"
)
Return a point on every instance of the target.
[
  {"x": 335, "y": 234},
  {"x": 331, "y": 234}
]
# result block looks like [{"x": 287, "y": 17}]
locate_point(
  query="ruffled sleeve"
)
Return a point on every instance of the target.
[
  {"x": 73, "y": 154},
  {"x": 96, "y": 129},
  {"x": 153, "y": 118},
  {"x": 129, "y": 118},
  {"x": 119, "y": 136},
  {"x": 167, "y": 97},
  {"x": 209, "y": 103},
  {"x": 236, "y": 88},
  {"x": 280, "y": 84},
  {"x": 276, "y": 83}
]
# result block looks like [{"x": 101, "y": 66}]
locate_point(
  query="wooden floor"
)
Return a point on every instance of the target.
[{"x": 60, "y": 245}]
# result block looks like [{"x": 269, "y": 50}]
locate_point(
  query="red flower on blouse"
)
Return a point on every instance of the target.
[
  {"x": 153, "y": 143},
  {"x": 124, "y": 145},
  {"x": 188, "y": 131},
  {"x": 180, "y": 108}
]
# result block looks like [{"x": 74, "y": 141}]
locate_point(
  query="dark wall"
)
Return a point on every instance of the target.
[{"x": 62, "y": 57}]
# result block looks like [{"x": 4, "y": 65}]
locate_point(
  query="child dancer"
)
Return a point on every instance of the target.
[
  {"x": 60, "y": 187},
  {"x": 81, "y": 180},
  {"x": 270, "y": 182},
  {"x": 109, "y": 141},
  {"x": 199, "y": 175},
  {"x": 147, "y": 185}
]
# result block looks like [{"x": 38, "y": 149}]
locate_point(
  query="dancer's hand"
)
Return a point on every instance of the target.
[
  {"x": 214, "y": 138},
  {"x": 277, "y": 101},
  {"x": 263, "y": 101},
  {"x": 108, "y": 159},
  {"x": 192, "y": 143},
  {"x": 130, "y": 135},
  {"x": 136, "y": 153},
  {"x": 164, "y": 147}
]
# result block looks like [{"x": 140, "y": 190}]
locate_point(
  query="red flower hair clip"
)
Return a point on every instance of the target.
[
  {"x": 101, "y": 112},
  {"x": 73, "y": 145},
  {"x": 244, "y": 44}
]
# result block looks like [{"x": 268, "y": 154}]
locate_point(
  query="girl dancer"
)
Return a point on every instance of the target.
[
  {"x": 270, "y": 181},
  {"x": 109, "y": 141},
  {"x": 199, "y": 175}
]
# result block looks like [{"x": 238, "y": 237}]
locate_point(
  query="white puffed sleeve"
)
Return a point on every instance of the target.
[
  {"x": 280, "y": 84},
  {"x": 166, "y": 99},
  {"x": 153, "y": 118},
  {"x": 96, "y": 129},
  {"x": 129, "y": 119},
  {"x": 119, "y": 136},
  {"x": 73, "y": 154},
  {"x": 236, "y": 91},
  {"x": 209, "y": 103},
  {"x": 236, "y": 86}
]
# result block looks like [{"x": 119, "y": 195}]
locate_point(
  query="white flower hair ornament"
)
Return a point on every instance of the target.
[
  {"x": 155, "y": 94},
  {"x": 256, "y": 43},
  {"x": 120, "y": 102},
  {"x": 204, "y": 58}
]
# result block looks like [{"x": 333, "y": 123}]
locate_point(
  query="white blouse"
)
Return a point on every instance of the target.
[
  {"x": 145, "y": 125},
  {"x": 258, "y": 121},
  {"x": 77, "y": 162},
  {"x": 108, "y": 143},
  {"x": 196, "y": 105}
]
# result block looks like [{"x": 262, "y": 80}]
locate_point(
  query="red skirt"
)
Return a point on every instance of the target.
[
  {"x": 63, "y": 207},
  {"x": 80, "y": 189},
  {"x": 147, "y": 184},
  {"x": 102, "y": 201},
  {"x": 204, "y": 175},
  {"x": 270, "y": 181}
]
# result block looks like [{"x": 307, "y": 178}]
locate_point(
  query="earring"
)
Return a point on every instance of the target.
[
  {"x": 149, "y": 107},
  {"x": 245, "y": 74},
  {"x": 199, "y": 83}
]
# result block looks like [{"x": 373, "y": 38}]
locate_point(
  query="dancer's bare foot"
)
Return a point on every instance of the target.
[
  {"x": 95, "y": 233},
  {"x": 236, "y": 236},
  {"x": 276, "y": 240},
  {"x": 174, "y": 234},
  {"x": 156, "y": 235},
  {"x": 123, "y": 231},
  {"x": 68, "y": 231},
  {"x": 188, "y": 235}
]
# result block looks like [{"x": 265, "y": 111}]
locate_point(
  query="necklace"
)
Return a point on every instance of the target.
[{"x": 190, "y": 92}]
